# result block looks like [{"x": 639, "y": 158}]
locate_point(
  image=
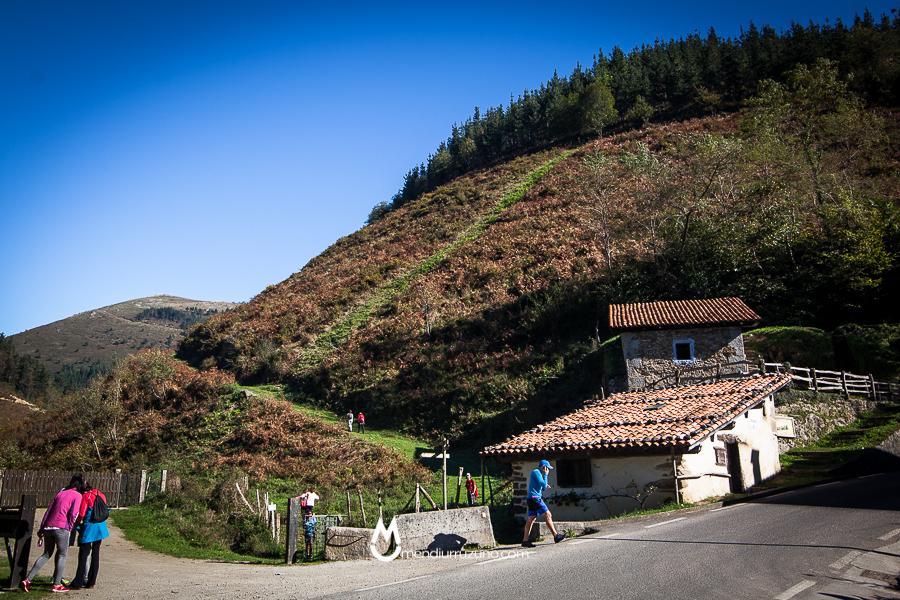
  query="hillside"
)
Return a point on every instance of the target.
[
  {"x": 479, "y": 307},
  {"x": 92, "y": 341}
]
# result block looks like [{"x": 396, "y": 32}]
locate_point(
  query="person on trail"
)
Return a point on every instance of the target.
[
  {"x": 350, "y": 421},
  {"x": 55, "y": 529},
  {"x": 471, "y": 489},
  {"x": 361, "y": 420},
  {"x": 309, "y": 533},
  {"x": 537, "y": 483},
  {"x": 308, "y": 501},
  {"x": 93, "y": 514}
]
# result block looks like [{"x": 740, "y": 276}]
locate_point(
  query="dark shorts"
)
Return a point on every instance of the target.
[{"x": 536, "y": 507}]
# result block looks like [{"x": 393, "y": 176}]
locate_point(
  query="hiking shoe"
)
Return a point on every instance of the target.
[
  {"x": 558, "y": 538},
  {"x": 59, "y": 588},
  {"x": 528, "y": 544},
  {"x": 26, "y": 585}
]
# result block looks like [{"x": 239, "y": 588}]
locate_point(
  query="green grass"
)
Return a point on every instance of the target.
[
  {"x": 41, "y": 585},
  {"x": 144, "y": 526}
]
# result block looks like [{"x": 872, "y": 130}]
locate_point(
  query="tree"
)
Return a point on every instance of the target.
[
  {"x": 597, "y": 107},
  {"x": 640, "y": 112}
]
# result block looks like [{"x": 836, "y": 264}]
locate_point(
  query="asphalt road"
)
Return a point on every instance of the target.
[{"x": 830, "y": 541}]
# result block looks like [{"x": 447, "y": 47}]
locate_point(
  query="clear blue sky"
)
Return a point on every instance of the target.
[{"x": 209, "y": 149}]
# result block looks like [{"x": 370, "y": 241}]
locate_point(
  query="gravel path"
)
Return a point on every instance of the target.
[{"x": 129, "y": 572}]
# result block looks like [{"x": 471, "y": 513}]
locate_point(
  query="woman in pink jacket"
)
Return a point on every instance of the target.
[{"x": 55, "y": 530}]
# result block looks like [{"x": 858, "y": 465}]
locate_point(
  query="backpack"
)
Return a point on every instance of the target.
[
  {"x": 100, "y": 511},
  {"x": 303, "y": 500}
]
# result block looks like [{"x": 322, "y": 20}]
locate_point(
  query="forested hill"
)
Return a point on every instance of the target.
[
  {"x": 480, "y": 307},
  {"x": 689, "y": 77}
]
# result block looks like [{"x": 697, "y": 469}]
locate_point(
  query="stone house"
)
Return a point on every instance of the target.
[
  {"x": 645, "y": 448},
  {"x": 682, "y": 341}
]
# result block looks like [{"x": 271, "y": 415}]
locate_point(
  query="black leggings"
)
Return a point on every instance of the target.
[{"x": 83, "y": 576}]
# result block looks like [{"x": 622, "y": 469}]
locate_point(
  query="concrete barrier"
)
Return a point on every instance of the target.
[
  {"x": 446, "y": 530},
  {"x": 351, "y": 543}
]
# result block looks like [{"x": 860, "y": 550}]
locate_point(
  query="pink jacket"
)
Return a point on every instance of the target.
[{"x": 63, "y": 511}]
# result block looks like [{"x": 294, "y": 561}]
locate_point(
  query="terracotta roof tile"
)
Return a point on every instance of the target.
[
  {"x": 669, "y": 417},
  {"x": 681, "y": 313}
]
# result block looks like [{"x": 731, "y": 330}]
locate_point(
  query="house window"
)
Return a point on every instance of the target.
[
  {"x": 683, "y": 350},
  {"x": 573, "y": 473},
  {"x": 720, "y": 457}
]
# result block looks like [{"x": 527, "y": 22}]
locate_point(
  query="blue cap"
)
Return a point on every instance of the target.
[{"x": 544, "y": 463}]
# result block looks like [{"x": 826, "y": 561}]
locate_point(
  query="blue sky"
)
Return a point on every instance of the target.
[{"x": 209, "y": 149}]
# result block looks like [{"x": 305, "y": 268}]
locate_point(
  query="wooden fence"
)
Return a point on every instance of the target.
[
  {"x": 121, "y": 488},
  {"x": 816, "y": 380}
]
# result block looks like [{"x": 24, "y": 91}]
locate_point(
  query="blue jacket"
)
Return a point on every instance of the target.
[
  {"x": 92, "y": 532},
  {"x": 536, "y": 484}
]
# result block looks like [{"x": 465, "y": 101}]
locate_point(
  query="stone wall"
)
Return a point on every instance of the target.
[
  {"x": 649, "y": 360},
  {"x": 816, "y": 415}
]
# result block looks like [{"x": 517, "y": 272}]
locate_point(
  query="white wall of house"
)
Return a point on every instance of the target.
[
  {"x": 619, "y": 484},
  {"x": 622, "y": 484}
]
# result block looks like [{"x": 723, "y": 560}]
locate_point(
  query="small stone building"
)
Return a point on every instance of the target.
[
  {"x": 643, "y": 449},
  {"x": 682, "y": 341}
]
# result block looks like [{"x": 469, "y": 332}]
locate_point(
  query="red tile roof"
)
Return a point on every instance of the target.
[
  {"x": 672, "y": 417},
  {"x": 681, "y": 313}
]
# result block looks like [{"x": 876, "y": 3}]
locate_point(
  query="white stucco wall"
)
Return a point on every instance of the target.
[
  {"x": 699, "y": 475},
  {"x": 619, "y": 486},
  {"x": 621, "y": 483}
]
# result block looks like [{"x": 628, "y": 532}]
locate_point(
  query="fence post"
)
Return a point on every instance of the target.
[
  {"x": 143, "y": 489},
  {"x": 844, "y": 384},
  {"x": 418, "y": 499},
  {"x": 872, "y": 385},
  {"x": 762, "y": 365},
  {"x": 814, "y": 383},
  {"x": 292, "y": 524},
  {"x": 349, "y": 514},
  {"x": 162, "y": 481},
  {"x": 1, "y": 487},
  {"x": 119, "y": 488}
]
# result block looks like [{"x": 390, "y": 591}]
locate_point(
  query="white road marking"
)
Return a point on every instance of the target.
[
  {"x": 824, "y": 484},
  {"x": 727, "y": 507},
  {"x": 844, "y": 560},
  {"x": 665, "y": 522},
  {"x": 519, "y": 555},
  {"x": 578, "y": 542},
  {"x": 791, "y": 592},
  {"x": 867, "y": 476},
  {"x": 375, "y": 587},
  {"x": 608, "y": 535},
  {"x": 889, "y": 535}
]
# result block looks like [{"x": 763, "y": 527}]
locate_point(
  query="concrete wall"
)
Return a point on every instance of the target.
[
  {"x": 446, "y": 530},
  {"x": 816, "y": 415},
  {"x": 649, "y": 359},
  {"x": 351, "y": 543}
]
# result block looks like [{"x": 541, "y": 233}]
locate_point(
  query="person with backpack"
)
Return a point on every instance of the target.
[
  {"x": 471, "y": 489},
  {"x": 308, "y": 501},
  {"x": 55, "y": 529},
  {"x": 93, "y": 514},
  {"x": 361, "y": 422}
]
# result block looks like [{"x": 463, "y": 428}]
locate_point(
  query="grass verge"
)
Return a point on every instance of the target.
[{"x": 148, "y": 527}]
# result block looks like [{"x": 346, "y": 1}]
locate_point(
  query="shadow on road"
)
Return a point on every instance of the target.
[{"x": 880, "y": 492}]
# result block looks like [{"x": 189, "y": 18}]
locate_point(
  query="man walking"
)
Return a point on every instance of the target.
[{"x": 537, "y": 483}]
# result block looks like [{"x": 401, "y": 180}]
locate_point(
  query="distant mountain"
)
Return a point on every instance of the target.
[{"x": 93, "y": 340}]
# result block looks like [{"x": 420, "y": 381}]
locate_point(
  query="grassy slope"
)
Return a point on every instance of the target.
[
  {"x": 151, "y": 530},
  {"x": 105, "y": 335}
]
